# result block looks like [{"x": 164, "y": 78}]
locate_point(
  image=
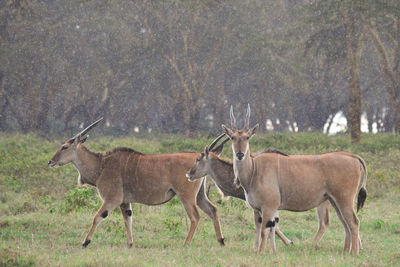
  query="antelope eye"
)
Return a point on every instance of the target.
[
  {"x": 233, "y": 138},
  {"x": 64, "y": 147},
  {"x": 248, "y": 137},
  {"x": 198, "y": 159}
]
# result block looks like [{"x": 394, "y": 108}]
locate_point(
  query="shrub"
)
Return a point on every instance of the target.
[{"x": 77, "y": 199}]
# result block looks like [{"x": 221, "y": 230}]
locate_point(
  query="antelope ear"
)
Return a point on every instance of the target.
[
  {"x": 218, "y": 149},
  {"x": 253, "y": 130},
  {"x": 206, "y": 151},
  {"x": 83, "y": 140},
  {"x": 228, "y": 131},
  {"x": 77, "y": 140}
]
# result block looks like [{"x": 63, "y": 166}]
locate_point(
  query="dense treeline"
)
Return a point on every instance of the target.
[{"x": 176, "y": 66}]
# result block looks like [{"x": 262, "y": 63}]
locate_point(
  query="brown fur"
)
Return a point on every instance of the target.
[
  {"x": 274, "y": 182},
  {"x": 124, "y": 175},
  {"x": 123, "y": 149},
  {"x": 221, "y": 171},
  {"x": 271, "y": 150}
]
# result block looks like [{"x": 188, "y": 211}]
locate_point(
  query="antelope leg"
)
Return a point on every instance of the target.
[
  {"x": 126, "y": 211},
  {"x": 103, "y": 212}
]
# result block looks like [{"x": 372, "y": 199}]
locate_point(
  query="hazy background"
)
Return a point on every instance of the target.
[{"x": 176, "y": 66}]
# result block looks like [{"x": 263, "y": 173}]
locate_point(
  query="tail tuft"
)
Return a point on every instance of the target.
[{"x": 362, "y": 195}]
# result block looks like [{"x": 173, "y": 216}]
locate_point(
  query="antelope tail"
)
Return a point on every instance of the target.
[{"x": 362, "y": 193}]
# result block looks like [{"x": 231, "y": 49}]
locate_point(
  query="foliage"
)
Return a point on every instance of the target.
[
  {"x": 176, "y": 67},
  {"x": 42, "y": 218},
  {"x": 77, "y": 199}
]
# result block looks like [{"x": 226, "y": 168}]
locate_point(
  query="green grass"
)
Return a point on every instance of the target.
[{"x": 44, "y": 217}]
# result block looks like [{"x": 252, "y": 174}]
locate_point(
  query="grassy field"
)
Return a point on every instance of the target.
[{"x": 44, "y": 217}]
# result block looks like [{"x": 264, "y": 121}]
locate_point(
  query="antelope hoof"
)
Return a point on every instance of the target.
[
  {"x": 222, "y": 241},
  {"x": 130, "y": 245},
  {"x": 86, "y": 243}
]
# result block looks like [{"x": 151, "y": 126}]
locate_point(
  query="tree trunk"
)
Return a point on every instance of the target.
[
  {"x": 218, "y": 103},
  {"x": 41, "y": 119},
  {"x": 353, "y": 59},
  {"x": 330, "y": 122},
  {"x": 397, "y": 116},
  {"x": 355, "y": 111},
  {"x": 186, "y": 118},
  {"x": 194, "y": 119},
  {"x": 261, "y": 114},
  {"x": 370, "y": 118}
]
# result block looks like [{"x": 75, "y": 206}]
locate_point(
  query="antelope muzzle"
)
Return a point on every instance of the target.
[
  {"x": 52, "y": 164},
  {"x": 190, "y": 175},
  {"x": 239, "y": 155}
]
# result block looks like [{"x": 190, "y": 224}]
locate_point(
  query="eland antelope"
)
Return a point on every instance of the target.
[
  {"x": 274, "y": 182},
  {"x": 221, "y": 172},
  {"x": 124, "y": 175}
]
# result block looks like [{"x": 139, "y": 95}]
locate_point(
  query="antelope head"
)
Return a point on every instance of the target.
[
  {"x": 202, "y": 165},
  {"x": 67, "y": 151},
  {"x": 240, "y": 138}
]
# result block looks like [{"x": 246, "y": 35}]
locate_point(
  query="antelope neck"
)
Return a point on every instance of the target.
[
  {"x": 88, "y": 165},
  {"x": 222, "y": 173},
  {"x": 244, "y": 169}
]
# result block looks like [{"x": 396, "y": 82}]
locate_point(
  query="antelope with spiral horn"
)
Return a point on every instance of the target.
[
  {"x": 124, "y": 175},
  {"x": 273, "y": 182}
]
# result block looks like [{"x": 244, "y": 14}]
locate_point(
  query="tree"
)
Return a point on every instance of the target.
[
  {"x": 389, "y": 58},
  {"x": 189, "y": 42},
  {"x": 341, "y": 33}
]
